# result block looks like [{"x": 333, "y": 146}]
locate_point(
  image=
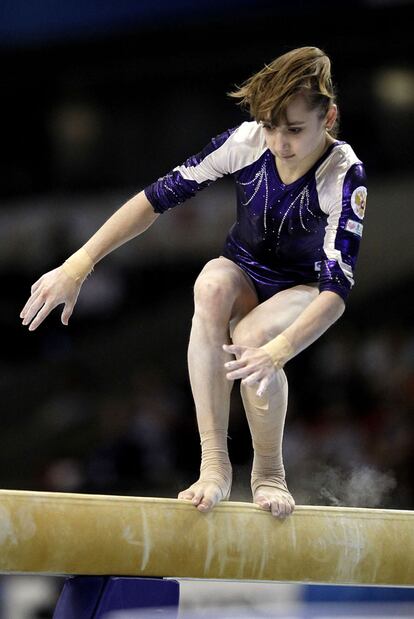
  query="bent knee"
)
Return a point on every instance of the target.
[
  {"x": 246, "y": 334},
  {"x": 213, "y": 292}
]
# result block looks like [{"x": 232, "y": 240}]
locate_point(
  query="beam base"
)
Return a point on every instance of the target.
[{"x": 92, "y": 597}]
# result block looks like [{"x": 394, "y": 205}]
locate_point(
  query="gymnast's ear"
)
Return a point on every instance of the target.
[{"x": 331, "y": 116}]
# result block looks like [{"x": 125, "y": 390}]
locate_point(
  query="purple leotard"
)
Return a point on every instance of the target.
[{"x": 306, "y": 231}]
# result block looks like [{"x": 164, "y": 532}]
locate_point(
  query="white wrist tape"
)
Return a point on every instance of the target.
[
  {"x": 79, "y": 265},
  {"x": 280, "y": 350}
]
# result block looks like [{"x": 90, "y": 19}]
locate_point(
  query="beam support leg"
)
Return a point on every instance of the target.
[{"x": 91, "y": 597}]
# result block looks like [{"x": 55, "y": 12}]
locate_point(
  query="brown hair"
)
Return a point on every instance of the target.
[{"x": 305, "y": 71}]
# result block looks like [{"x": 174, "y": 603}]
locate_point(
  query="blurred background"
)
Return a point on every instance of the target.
[{"x": 100, "y": 98}]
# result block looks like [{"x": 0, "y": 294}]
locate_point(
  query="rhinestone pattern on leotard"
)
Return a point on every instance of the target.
[
  {"x": 302, "y": 203},
  {"x": 260, "y": 177}
]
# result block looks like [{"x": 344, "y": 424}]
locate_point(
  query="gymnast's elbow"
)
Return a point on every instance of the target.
[{"x": 334, "y": 303}]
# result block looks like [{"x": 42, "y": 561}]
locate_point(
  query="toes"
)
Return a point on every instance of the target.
[
  {"x": 191, "y": 495},
  {"x": 205, "y": 505},
  {"x": 203, "y": 496},
  {"x": 262, "y": 502},
  {"x": 186, "y": 495},
  {"x": 277, "y": 509},
  {"x": 196, "y": 500},
  {"x": 207, "y": 499},
  {"x": 279, "y": 504},
  {"x": 282, "y": 509}
]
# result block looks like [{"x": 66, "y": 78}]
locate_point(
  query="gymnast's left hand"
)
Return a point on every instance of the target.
[{"x": 252, "y": 366}]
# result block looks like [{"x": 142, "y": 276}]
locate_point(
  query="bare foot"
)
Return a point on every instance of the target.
[
  {"x": 206, "y": 494},
  {"x": 279, "y": 501}
]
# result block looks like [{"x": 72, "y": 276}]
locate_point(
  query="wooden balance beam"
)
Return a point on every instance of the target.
[{"x": 81, "y": 534}]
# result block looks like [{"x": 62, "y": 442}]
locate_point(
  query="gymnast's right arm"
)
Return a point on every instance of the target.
[{"x": 63, "y": 284}]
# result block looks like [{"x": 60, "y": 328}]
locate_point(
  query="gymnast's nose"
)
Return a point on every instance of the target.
[{"x": 280, "y": 145}]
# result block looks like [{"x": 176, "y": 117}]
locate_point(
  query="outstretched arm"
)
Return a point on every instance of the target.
[
  {"x": 62, "y": 285},
  {"x": 258, "y": 365},
  {"x": 133, "y": 218}
]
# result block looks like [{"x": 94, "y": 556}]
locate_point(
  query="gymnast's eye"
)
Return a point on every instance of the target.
[
  {"x": 266, "y": 125},
  {"x": 295, "y": 129}
]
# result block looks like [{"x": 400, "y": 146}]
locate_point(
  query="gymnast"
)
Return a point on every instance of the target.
[{"x": 284, "y": 274}]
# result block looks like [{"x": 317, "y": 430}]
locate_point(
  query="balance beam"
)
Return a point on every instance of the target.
[{"x": 82, "y": 534}]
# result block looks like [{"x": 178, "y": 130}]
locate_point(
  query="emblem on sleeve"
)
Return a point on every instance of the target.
[
  {"x": 354, "y": 226},
  {"x": 359, "y": 201}
]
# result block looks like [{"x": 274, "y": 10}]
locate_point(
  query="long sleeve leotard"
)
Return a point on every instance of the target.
[{"x": 285, "y": 234}]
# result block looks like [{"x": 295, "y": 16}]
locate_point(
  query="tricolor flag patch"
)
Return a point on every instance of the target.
[{"x": 354, "y": 226}]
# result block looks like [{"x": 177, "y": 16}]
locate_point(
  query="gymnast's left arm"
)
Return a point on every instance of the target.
[
  {"x": 315, "y": 319},
  {"x": 258, "y": 365},
  {"x": 341, "y": 246}
]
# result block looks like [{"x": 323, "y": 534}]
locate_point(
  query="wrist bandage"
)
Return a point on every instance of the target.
[
  {"x": 79, "y": 265},
  {"x": 280, "y": 350}
]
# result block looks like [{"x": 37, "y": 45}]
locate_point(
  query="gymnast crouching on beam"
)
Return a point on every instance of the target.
[{"x": 282, "y": 278}]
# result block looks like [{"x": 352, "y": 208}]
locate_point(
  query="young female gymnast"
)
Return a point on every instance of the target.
[{"x": 284, "y": 273}]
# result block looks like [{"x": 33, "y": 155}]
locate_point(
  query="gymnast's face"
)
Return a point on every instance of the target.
[{"x": 302, "y": 137}]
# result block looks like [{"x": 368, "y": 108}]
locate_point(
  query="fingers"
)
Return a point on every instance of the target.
[
  {"x": 251, "y": 375},
  {"x": 67, "y": 313},
  {"x": 36, "y": 285},
  {"x": 234, "y": 350},
  {"x": 32, "y": 306},
  {"x": 235, "y": 365},
  {"x": 52, "y": 289},
  {"x": 240, "y": 373},
  {"x": 33, "y": 290},
  {"x": 242, "y": 368},
  {"x": 29, "y": 302},
  {"x": 264, "y": 383},
  {"x": 37, "y": 308},
  {"x": 252, "y": 378},
  {"x": 45, "y": 311},
  {"x": 244, "y": 372}
]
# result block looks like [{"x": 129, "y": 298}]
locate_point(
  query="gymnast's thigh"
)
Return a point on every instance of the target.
[{"x": 273, "y": 316}]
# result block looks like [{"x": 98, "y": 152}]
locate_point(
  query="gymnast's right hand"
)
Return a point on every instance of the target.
[{"x": 51, "y": 290}]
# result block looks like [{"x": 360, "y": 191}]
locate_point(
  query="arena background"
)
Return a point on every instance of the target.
[{"x": 98, "y": 100}]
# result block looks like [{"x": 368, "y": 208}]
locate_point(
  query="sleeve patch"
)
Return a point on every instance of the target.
[
  {"x": 354, "y": 226},
  {"x": 359, "y": 201}
]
